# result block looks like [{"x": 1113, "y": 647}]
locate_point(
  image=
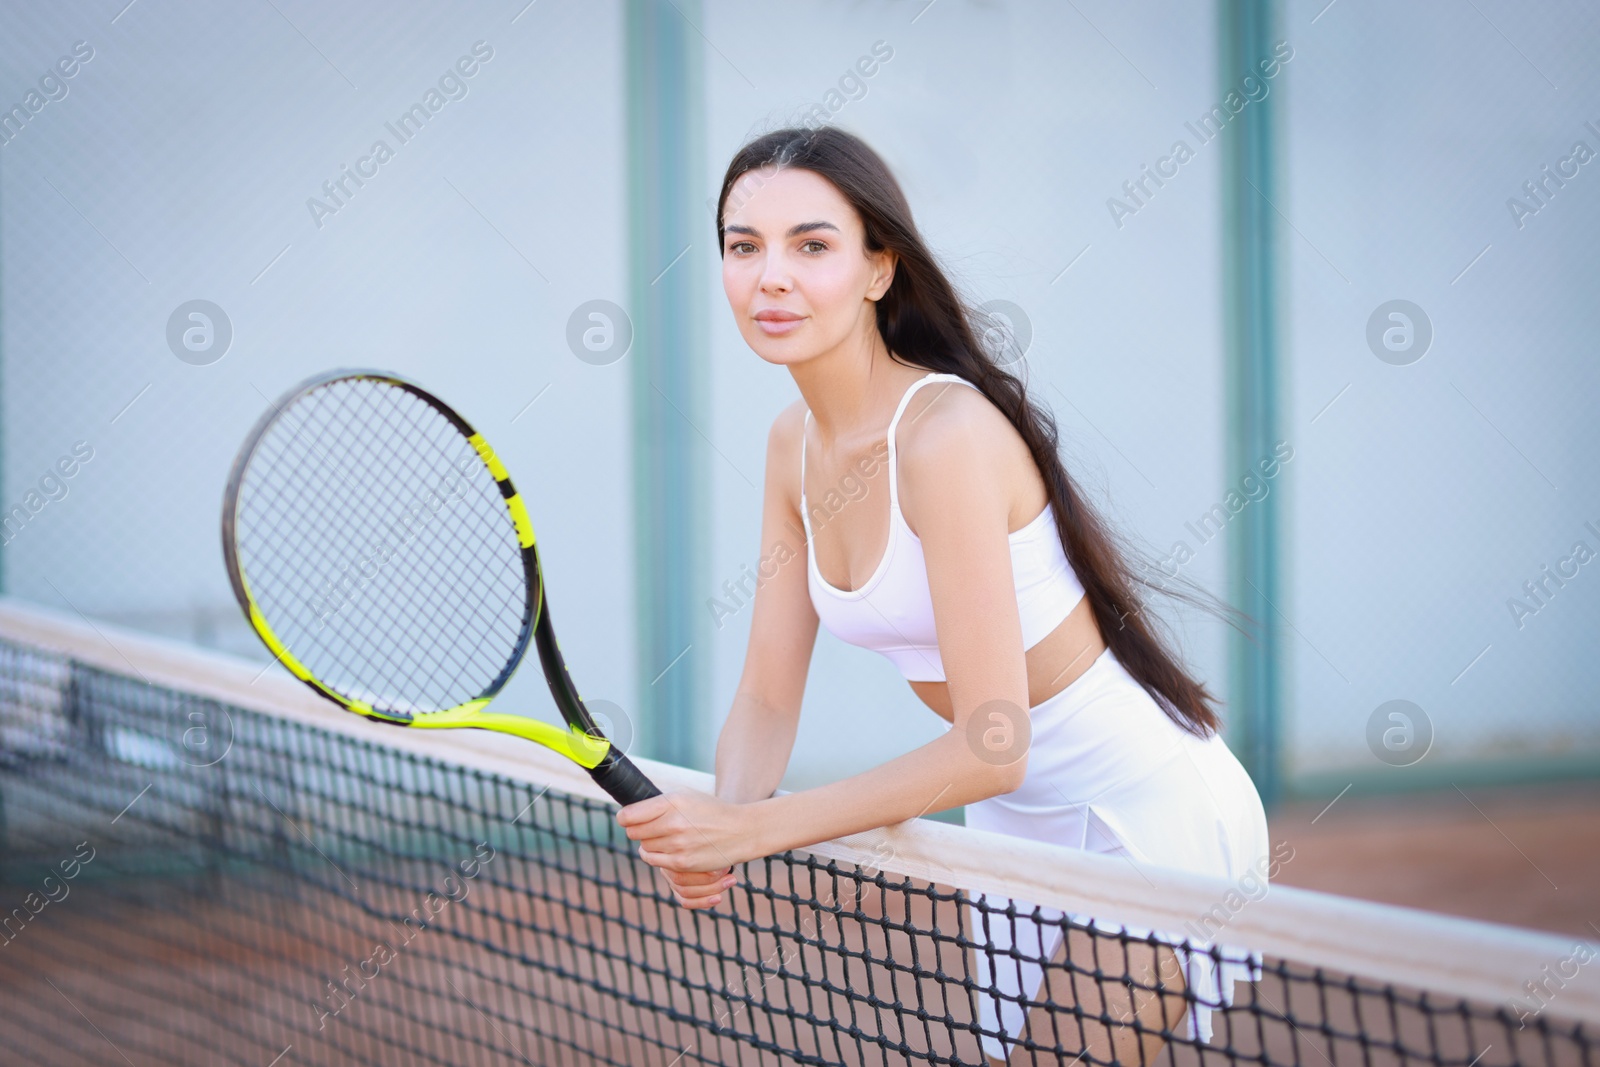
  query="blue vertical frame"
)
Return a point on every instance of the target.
[
  {"x": 1247, "y": 31},
  {"x": 667, "y": 226}
]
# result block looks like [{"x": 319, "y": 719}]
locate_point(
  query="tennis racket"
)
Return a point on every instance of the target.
[{"x": 378, "y": 548}]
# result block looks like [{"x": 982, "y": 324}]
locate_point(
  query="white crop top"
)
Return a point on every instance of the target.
[{"x": 892, "y": 612}]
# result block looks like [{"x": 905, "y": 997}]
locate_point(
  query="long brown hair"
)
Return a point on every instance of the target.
[{"x": 926, "y": 323}]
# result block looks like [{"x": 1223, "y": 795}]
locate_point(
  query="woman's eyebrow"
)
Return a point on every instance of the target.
[{"x": 794, "y": 231}]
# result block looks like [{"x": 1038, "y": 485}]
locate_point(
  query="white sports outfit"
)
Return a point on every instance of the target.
[{"x": 1108, "y": 770}]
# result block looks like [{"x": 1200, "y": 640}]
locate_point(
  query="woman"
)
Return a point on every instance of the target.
[{"x": 972, "y": 562}]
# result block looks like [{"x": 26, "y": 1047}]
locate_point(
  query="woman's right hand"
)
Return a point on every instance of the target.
[{"x": 702, "y": 890}]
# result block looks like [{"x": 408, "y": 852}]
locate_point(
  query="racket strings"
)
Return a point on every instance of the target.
[
  {"x": 484, "y": 557},
  {"x": 463, "y": 621},
  {"x": 311, "y": 466},
  {"x": 379, "y": 548},
  {"x": 466, "y": 624},
  {"x": 429, "y": 597},
  {"x": 348, "y": 533}
]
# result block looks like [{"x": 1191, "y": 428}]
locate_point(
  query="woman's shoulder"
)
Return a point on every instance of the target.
[
  {"x": 783, "y": 447},
  {"x": 946, "y": 419},
  {"x": 784, "y": 434},
  {"x": 955, "y": 446}
]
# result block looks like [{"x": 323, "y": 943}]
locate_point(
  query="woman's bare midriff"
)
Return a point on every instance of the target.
[{"x": 1053, "y": 664}]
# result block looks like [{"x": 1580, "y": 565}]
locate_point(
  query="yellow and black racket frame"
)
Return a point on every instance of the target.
[{"x": 582, "y": 741}]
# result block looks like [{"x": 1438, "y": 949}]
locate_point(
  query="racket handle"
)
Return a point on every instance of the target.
[{"x": 626, "y": 783}]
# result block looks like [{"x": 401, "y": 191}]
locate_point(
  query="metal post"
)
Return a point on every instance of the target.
[
  {"x": 669, "y": 234},
  {"x": 1246, "y": 34}
]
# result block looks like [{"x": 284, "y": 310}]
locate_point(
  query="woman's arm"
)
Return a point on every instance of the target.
[
  {"x": 758, "y": 737},
  {"x": 956, "y": 487},
  {"x": 754, "y": 746}
]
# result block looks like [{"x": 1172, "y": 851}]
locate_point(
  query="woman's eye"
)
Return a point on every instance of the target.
[
  {"x": 737, "y": 246},
  {"x": 821, "y": 246}
]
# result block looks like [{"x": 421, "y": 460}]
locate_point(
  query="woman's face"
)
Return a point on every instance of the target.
[{"x": 795, "y": 266}]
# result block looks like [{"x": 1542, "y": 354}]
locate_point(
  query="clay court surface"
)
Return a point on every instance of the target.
[{"x": 1525, "y": 855}]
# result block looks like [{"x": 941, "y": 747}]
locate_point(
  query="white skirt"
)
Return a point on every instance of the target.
[{"x": 1109, "y": 772}]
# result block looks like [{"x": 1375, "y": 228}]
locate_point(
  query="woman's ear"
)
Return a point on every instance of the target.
[{"x": 883, "y": 265}]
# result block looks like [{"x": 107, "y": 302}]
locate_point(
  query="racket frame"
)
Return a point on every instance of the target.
[{"x": 582, "y": 741}]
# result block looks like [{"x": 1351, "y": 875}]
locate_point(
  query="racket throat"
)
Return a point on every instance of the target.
[{"x": 571, "y": 742}]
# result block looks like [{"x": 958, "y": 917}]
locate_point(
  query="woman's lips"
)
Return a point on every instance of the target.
[{"x": 777, "y": 326}]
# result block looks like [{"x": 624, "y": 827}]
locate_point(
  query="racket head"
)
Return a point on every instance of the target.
[{"x": 379, "y": 548}]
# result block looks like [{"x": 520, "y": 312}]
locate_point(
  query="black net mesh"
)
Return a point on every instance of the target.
[
  {"x": 191, "y": 883},
  {"x": 379, "y": 548}
]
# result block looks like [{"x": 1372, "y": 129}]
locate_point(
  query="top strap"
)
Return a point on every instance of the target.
[
  {"x": 894, "y": 482},
  {"x": 931, "y": 376}
]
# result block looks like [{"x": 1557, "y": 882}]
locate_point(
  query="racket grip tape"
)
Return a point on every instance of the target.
[{"x": 626, "y": 783}]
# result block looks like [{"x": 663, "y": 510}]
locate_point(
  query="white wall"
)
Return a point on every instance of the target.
[{"x": 1426, "y": 495}]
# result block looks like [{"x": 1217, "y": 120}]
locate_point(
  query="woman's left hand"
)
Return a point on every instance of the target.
[{"x": 691, "y": 832}]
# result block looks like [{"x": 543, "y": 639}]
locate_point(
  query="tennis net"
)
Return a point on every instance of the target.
[{"x": 201, "y": 863}]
